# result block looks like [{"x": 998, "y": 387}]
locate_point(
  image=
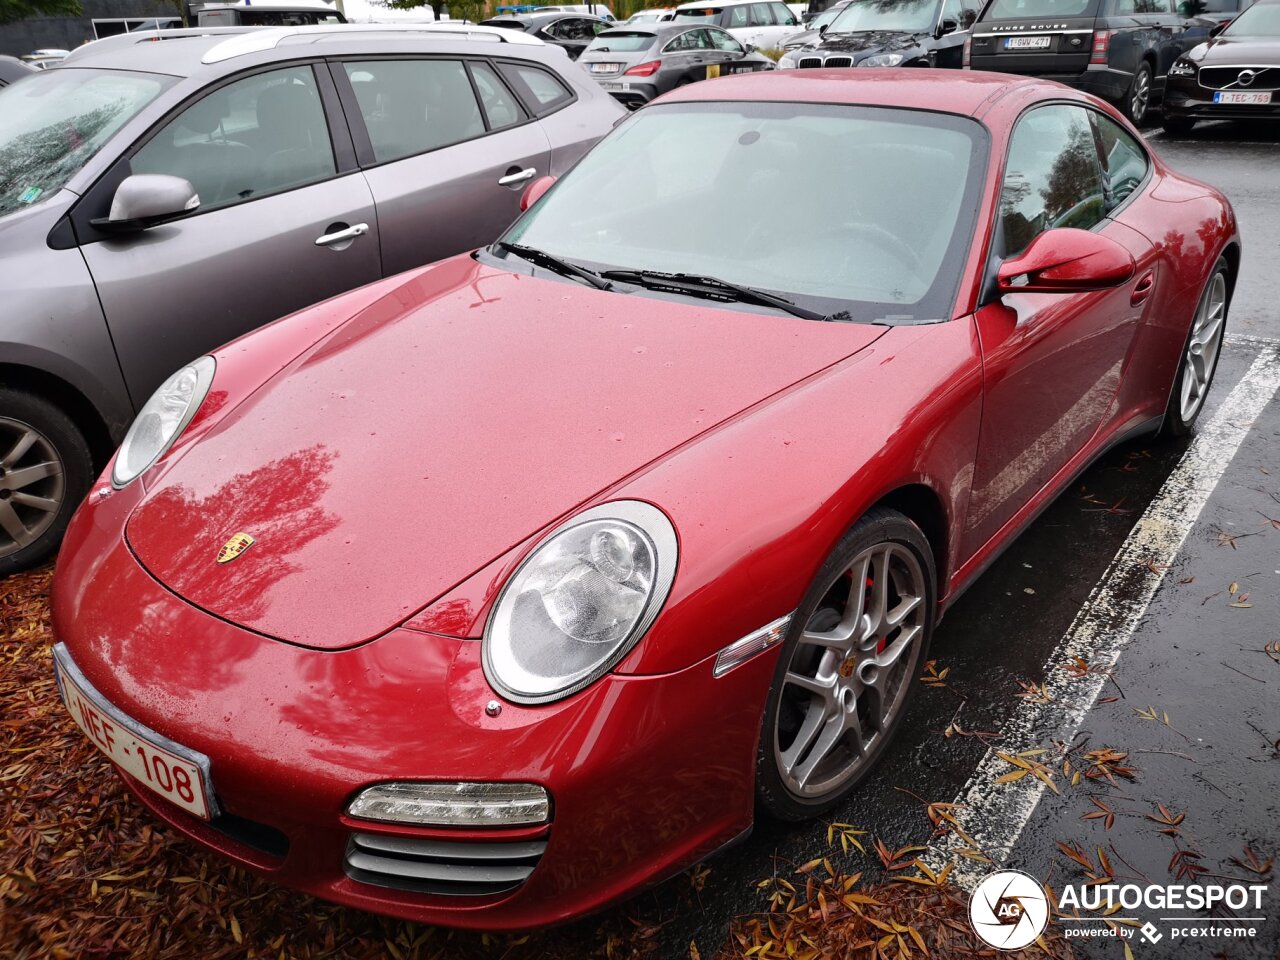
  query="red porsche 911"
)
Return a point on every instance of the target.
[{"x": 490, "y": 593}]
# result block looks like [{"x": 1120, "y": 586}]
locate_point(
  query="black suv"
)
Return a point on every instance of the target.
[{"x": 1119, "y": 50}]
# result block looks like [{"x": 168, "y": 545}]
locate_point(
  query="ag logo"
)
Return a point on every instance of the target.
[
  {"x": 1009, "y": 910},
  {"x": 235, "y": 546}
]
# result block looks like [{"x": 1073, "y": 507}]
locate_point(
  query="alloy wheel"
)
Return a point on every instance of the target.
[
  {"x": 850, "y": 671},
  {"x": 1141, "y": 95},
  {"x": 32, "y": 485},
  {"x": 1202, "y": 347}
]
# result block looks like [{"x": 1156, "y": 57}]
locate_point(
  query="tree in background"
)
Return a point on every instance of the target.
[{"x": 11, "y": 10}]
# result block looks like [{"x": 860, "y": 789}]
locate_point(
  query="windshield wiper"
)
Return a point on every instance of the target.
[
  {"x": 716, "y": 289},
  {"x": 551, "y": 262}
]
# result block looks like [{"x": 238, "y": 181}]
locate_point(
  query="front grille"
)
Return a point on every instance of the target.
[
  {"x": 446, "y": 867},
  {"x": 1228, "y": 78},
  {"x": 839, "y": 62},
  {"x": 252, "y": 834},
  {"x": 806, "y": 63}
]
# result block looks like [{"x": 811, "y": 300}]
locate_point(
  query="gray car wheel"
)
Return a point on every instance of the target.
[
  {"x": 1138, "y": 100},
  {"x": 848, "y": 668},
  {"x": 45, "y": 470},
  {"x": 1199, "y": 360}
]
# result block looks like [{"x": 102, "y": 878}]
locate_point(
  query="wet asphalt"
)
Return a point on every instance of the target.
[{"x": 1193, "y": 657}]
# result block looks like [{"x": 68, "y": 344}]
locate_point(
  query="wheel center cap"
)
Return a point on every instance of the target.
[{"x": 846, "y": 668}]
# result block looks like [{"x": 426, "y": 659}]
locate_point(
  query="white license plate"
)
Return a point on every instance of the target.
[
  {"x": 174, "y": 772},
  {"x": 604, "y": 67},
  {"x": 604, "y": 85},
  {"x": 1027, "y": 43},
  {"x": 1234, "y": 96}
]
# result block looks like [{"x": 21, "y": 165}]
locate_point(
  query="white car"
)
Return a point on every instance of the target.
[
  {"x": 650, "y": 15},
  {"x": 764, "y": 24}
]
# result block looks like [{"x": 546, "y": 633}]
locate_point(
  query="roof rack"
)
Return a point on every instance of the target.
[
  {"x": 146, "y": 36},
  {"x": 268, "y": 38}
]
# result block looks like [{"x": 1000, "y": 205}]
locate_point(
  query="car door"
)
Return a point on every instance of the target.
[
  {"x": 687, "y": 55},
  {"x": 445, "y": 168},
  {"x": 285, "y": 220},
  {"x": 726, "y": 54},
  {"x": 785, "y": 25},
  {"x": 1052, "y": 362},
  {"x": 953, "y": 28}
]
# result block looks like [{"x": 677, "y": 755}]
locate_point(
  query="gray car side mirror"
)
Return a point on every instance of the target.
[
  {"x": 146, "y": 199},
  {"x": 948, "y": 25}
]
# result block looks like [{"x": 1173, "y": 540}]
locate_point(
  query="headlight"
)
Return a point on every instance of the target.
[
  {"x": 162, "y": 420},
  {"x": 580, "y": 601},
  {"x": 1182, "y": 68},
  {"x": 785, "y": 64},
  {"x": 883, "y": 60}
]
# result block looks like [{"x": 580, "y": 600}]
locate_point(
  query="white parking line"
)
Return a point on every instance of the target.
[{"x": 993, "y": 814}]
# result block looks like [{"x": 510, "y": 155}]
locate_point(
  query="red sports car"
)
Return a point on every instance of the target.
[{"x": 495, "y": 591}]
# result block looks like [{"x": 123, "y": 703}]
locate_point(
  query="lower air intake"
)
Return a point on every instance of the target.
[{"x": 442, "y": 867}]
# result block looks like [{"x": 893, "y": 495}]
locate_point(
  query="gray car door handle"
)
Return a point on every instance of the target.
[
  {"x": 342, "y": 236},
  {"x": 528, "y": 173}
]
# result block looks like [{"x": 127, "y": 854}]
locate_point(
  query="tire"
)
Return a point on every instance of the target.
[
  {"x": 1137, "y": 99},
  {"x": 1178, "y": 126},
  {"x": 1198, "y": 361},
  {"x": 794, "y": 782},
  {"x": 45, "y": 471}
]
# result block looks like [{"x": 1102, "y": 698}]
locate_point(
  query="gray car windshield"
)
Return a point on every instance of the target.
[
  {"x": 709, "y": 189},
  {"x": 621, "y": 42},
  {"x": 905, "y": 16},
  {"x": 1260, "y": 20},
  {"x": 53, "y": 122}
]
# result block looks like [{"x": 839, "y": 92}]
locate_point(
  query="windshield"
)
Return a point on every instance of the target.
[
  {"x": 1018, "y": 9},
  {"x": 53, "y": 122},
  {"x": 882, "y": 235},
  {"x": 702, "y": 13},
  {"x": 824, "y": 18},
  {"x": 1260, "y": 20},
  {"x": 621, "y": 42},
  {"x": 906, "y": 16}
]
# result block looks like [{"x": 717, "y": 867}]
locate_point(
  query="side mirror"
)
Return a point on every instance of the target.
[
  {"x": 1217, "y": 28},
  {"x": 146, "y": 199},
  {"x": 822, "y": 30},
  {"x": 948, "y": 25},
  {"x": 1067, "y": 260},
  {"x": 534, "y": 191},
  {"x": 748, "y": 48}
]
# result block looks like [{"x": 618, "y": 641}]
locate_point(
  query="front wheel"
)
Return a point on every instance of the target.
[
  {"x": 45, "y": 471},
  {"x": 848, "y": 667},
  {"x": 1199, "y": 354},
  {"x": 1138, "y": 100}
]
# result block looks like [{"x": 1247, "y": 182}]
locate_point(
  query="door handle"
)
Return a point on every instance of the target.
[
  {"x": 342, "y": 235},
  {"x": 1142, "y": 289},
  {"x": 520, "y": 176}
]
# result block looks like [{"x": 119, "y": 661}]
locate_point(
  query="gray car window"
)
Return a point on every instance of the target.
[
  {"x": 52, "y": 123},
  {"x": 723, "y": 41},
  {"x": 546, "y": 90},
  {"x": 412, "y": 106},
  {"x": 689, "y": 40},
  {"x": 1052, "y": 178},
  {"x": 499, "y": 105},
  {"x": 253, "y": 137}
]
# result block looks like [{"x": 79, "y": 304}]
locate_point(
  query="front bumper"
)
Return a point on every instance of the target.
[
  {"x": 1186, "y": 99},
  {"x": 647, "y": 774}
]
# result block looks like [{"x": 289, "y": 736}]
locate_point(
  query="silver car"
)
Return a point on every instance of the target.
[{"x": 163, "y": 193}]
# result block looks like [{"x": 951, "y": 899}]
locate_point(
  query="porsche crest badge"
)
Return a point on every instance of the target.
[{"x": 235, "y": 546}]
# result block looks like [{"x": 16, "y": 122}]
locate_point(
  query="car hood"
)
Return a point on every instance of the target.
[
  {"x": 1229, "y": 51},
  {"x": 872, "y": 42},
  {"x": 453, "y": 418}
]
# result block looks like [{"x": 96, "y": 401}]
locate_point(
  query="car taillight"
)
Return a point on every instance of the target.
[
  {"x": 644, "y": 69},
  {"x": 967, "y": 54},
  {"x": 1101, "y": 46}
]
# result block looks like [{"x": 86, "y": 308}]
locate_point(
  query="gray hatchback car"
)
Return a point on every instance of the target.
[{"x": 161, "y": 194}]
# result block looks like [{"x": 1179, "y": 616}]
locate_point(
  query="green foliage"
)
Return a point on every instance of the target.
[{"x": 11, "y": 10}]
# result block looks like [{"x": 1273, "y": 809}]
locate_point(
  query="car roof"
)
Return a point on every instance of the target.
[
  {"x": 716, "y": 3},
  {"x": 539, "y": 18},
  {"x": 945, "y": 91},
  {"x": 183, "y": 53},
  {"x": 658, "y": 29}
]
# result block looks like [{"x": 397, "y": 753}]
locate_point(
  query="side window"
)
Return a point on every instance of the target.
[
  {"x": 963, "y": 12},
  {"x": 540, "y": 89},
  {"x": 760, "y": 16},
  {"x": 782, "y": 14},
  {"x": 737, "y": 16},
  {"x": 1052, "y": 178},
  {"x": 682, "y": 43},
  {"x": 251, "y": 138},
  {"x": 722, "y": 41},
  {"x": 499, "y": 105},
  {"x": 1126, "y": 162},
  {"x": 599, "y": 26},
  {"x": 412, "y": 106}
]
